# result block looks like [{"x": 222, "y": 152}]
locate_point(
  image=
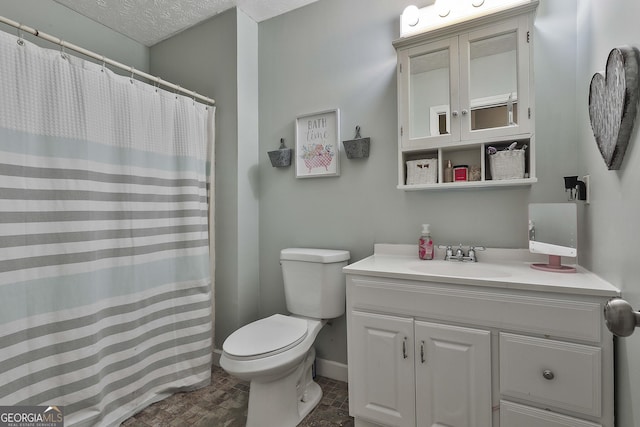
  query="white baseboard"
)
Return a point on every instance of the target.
[
  {"x": 216, "y": 356},
  {"x": 330, "y": 369},
  {"x": 325, "y": 368}
]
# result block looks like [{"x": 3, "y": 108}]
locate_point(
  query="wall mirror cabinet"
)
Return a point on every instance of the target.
[{"x": 464, "y": 88}]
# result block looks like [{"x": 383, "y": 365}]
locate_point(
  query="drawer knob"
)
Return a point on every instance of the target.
[{"x": 548, "y": 374}]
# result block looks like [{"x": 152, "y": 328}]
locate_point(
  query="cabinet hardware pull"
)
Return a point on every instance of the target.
[
  {"x": 464, "y": 112},
  {"x": 548, "y": 374},
  {"x": 454, "y": 113},
  {"x": 404, "y": 348},
  {"x": 422, "y": 351}
]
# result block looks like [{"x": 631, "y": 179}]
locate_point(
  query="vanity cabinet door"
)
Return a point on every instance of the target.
[
  {"x": 453, "y": 376},
  {"x": 382, "y": 363}
]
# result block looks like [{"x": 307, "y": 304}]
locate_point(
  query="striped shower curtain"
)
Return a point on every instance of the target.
[{"x": 105, "y": 284}]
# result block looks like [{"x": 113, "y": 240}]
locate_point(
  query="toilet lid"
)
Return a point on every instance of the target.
[{"x": 273, "y": 334}]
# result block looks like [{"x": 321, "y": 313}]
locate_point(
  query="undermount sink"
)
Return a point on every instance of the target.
[{"x": 457, "y": 269}]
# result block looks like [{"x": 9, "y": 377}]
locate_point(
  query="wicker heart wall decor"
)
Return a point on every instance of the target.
[{"x": 613, "y": 103}]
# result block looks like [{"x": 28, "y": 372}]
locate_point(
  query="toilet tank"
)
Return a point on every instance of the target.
[{"x": 314, "y": 285}]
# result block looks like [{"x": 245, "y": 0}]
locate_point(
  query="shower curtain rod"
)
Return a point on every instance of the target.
[{"x": 103, "y": 59}]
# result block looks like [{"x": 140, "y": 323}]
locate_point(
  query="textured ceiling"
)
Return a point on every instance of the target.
[{"x": 151, "y": 21}]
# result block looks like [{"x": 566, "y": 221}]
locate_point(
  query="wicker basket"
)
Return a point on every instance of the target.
[
  {"x": 422, "y": 171},
  {"x": 507, "y": 164}
]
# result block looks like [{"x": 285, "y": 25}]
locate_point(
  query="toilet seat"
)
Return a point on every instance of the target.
[{"x": 265, "y": 337}]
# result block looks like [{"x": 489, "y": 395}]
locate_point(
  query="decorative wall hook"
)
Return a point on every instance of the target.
[
  {"x": 357, "y": 148},
  {"x": 280, "y": 157}
]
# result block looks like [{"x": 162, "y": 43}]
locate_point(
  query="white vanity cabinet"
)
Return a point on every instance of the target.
[
  {"x": 412, "y": 372},
  {"x": 463, "y": 88},
  {"x": 427, "y": 350}
]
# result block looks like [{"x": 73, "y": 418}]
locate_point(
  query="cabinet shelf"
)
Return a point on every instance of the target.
[
  {"x": 473, "y": 155},
  {"x": 469, "y": 184},
  {"x": 416, "y": 148}
]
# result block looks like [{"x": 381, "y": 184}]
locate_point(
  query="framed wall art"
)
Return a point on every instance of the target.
[{"x": 318, "y": 144}]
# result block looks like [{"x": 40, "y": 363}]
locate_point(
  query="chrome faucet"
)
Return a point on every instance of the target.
[
  {"x": 472, "y": 252},
  {"x": 459, "y": 254}
]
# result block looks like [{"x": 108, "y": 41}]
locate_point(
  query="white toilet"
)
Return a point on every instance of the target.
[{"x": 276, "y": 354}]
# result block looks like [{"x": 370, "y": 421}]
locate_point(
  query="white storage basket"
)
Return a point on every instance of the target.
[
  {"x": 422, "y": 171},
  {"x": 507, "y": 164}
]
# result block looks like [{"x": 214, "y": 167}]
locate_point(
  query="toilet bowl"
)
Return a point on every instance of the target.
[
  {"x": 276, "y": 354},
  {"x": 282, "y": 390}
]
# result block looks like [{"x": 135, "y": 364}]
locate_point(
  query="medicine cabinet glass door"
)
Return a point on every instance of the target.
[
  {"x": 468, "y": 87},
  {"x": 498, "y": 82},
  {"x": 432, "y": 92}
]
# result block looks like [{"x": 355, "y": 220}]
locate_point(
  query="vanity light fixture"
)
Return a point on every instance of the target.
[
  {"x": 442, "y": 8},
  {"x": 411, "y": 15},
  {"x": 446, "y": 12}
]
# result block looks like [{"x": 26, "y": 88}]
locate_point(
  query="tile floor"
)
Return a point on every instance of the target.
[{"x": 224, "y": 404}]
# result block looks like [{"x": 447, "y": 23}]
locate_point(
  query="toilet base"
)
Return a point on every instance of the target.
[
  {"x": 285, "y": 401},
  {"x": 314, "y": 396}
]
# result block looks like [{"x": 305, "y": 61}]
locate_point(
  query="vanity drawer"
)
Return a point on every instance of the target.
[
  {"x": 515, "y": 415},
  {"x": 549, "y": 372}
]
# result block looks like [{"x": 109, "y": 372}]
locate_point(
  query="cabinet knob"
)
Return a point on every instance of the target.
[
  {"x": 548, "y": 374},
  {"x": 454, "y": 113},
  {"x": 620, "y": 317},
  {"x": 465, "y": 112}
]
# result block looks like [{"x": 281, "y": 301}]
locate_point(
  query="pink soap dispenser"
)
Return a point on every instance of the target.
[{"x": 425, "y": 244}]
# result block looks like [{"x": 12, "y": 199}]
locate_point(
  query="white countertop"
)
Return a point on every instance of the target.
[{"x": 499, "y": 268}]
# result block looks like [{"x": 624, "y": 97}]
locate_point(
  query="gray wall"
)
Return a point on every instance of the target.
[
  {"x": 609, "y": 228},
  {"x": 337, "y": 54},
  {"x": 219, "y": 58}
]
